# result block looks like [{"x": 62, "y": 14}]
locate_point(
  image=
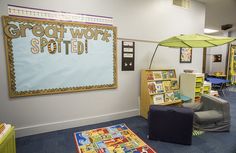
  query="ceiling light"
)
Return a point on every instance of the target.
[{"x": 206, "y": 30}]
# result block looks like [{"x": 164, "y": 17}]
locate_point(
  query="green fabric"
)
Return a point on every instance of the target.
[
  {"x": 197, "y": 132},
  {"x": 195, "y": 41}
]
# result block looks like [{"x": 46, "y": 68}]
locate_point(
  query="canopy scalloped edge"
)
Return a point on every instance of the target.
[{"x": 195, "y": 41}]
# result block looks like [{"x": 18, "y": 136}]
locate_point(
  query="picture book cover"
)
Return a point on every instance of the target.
[
  {"x": 159, "y": 86},
  {"x": 174, "y": 84},
  {"x": 166, "y": 85},
  {"x": 152, "y": 87},
  {"x": 171, "y": 74},
  {"x": 158, "y": 99},
  {"x": 157, "y": 75},
  {"x": 169, "y": 96},
  {"x": 150, "y": 75},
  {"x": 177, "y": 95},
  {"x": 165, "y": 75}
]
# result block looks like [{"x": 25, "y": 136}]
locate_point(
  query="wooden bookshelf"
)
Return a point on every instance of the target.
[{"x": 158, "y": 87}]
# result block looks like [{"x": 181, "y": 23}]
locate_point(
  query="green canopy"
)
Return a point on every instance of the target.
[{"x": 195, "y": 41}]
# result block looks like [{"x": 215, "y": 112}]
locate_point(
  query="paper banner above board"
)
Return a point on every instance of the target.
[
  {"x": 29, "y": 12},
  {"x": 46, "y": 57}
]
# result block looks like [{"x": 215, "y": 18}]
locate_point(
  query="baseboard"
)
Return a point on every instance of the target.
[{"x": 48, "y": 127}]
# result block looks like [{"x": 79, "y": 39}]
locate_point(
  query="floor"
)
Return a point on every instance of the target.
[{"x": 62, "y": 141}]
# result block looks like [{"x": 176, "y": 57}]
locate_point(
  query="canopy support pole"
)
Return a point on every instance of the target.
[{"x": 150, "y": 65}]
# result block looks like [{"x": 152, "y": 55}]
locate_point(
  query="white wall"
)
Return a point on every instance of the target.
[
  {"x": 139, "y": 19},
  {"x": 220, "y": 12},
  {"x": 211, "y": 66},
  {"x": 233, "y": 34}
]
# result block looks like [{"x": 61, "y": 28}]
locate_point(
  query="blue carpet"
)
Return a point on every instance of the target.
[{"x": 62, "y": 141}]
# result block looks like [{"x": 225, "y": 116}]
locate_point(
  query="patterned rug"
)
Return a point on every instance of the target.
[{"x": 113, "y": 139}]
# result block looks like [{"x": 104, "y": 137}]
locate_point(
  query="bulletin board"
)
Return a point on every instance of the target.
[
  {"x": 128, "y": 54},
  {"x": 49, "y": 57}
]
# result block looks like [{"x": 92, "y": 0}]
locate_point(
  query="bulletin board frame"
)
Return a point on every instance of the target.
[{"x": 11, "y": 67}]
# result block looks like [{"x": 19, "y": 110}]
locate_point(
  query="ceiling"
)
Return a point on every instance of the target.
[{"x": 220, "y": 12}]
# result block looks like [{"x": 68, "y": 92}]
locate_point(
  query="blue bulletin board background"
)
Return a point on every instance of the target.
[{"x": 44, "y": 72}]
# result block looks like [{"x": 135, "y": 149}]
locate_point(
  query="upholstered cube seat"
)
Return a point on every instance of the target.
[
  {"x": 170, "y": 124},
  {"x": 210, "y": 116}
]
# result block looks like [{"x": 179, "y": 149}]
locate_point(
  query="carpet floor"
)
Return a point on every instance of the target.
[{"x": 62, "y": 141}]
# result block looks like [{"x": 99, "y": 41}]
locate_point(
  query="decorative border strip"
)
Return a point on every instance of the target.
[
  {"x": 11, "y": 69},
  {"x": 29, "y": 12}
]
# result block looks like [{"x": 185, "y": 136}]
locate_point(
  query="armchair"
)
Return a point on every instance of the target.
[{"x": 213, "y": 114}]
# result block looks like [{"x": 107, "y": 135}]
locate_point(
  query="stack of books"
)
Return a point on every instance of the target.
[{"x": 4, "y": 128}]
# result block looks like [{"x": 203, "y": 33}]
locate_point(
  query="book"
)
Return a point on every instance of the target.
[
  {"x": 177, "y": 95},
  {"x": 169, "y": 96},
  {"x": 166, "y": 85},
  {"x": 152, "y": 88},
  {"x": 159, "y": 86},
  {"x": 7, "y": 127},
  {"x": 2, "y": 127},
  {"x": 1, "y": 124},
  {"x": 158, "y": 99},
  {"x": 171, "y": 74},
  {"x": 165, "y": 75},
  {"x": 157, "y": 75},
  {"x": 174, "y": 84},
  {"x": 150, "y": 75}
]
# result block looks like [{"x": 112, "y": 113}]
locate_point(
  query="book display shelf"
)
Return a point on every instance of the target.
[
  {"x": 232, "y": 66},
  {"x": 158, "y": 87}
]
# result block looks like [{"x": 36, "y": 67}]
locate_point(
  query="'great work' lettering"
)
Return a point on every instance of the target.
[
  {"x": 13, "y": 31},
  {"x": 51, "y": 37}
]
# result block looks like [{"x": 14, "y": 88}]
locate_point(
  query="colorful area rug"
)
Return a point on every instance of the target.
[{"x": 113, "y": 139}]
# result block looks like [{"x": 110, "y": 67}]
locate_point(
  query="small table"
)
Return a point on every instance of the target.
[
  {"x": 217, "y": 82},
  {"x": 221, "y": 76}
]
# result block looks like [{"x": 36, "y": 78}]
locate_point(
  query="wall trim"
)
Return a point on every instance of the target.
[{"x": 54, "y": 126}]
